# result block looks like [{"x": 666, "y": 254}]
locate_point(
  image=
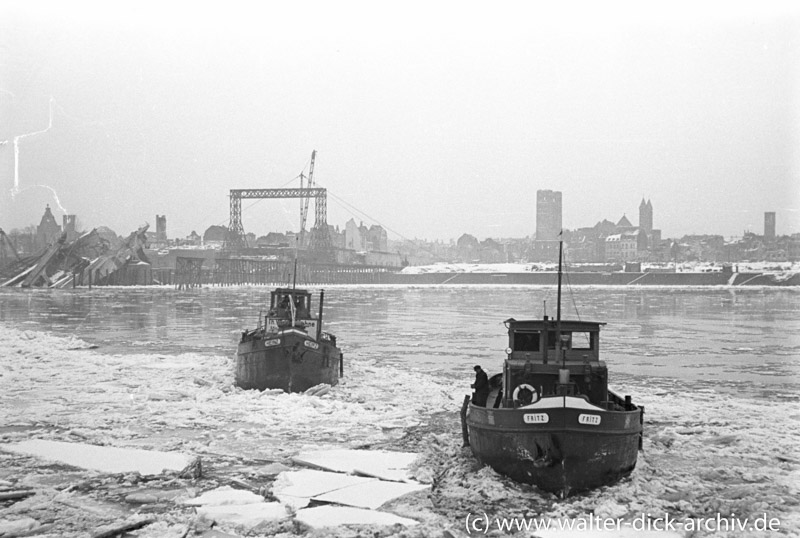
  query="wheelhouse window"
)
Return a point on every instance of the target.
[
  {"x": 526, "y": 341},
  {"x": 582, "y": 340},
  {"x": 571, "y": 340}
]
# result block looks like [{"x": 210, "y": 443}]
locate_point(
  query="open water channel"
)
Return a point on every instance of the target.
[{"x": 743, "y": 341}]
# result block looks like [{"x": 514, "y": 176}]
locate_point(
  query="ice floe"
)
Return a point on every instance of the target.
[
  {"x": 383, "y": 464},
  {"x": 247, "y": 515},
  {"x": 225, "y": 495},
  {"x": 371, "y": 495},
  {"x": 309, "y": 483},
  {"x": 106, "y": 459},
  {"x": 334, "y": 516}
]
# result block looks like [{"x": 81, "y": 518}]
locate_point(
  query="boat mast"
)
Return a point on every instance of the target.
[
  {"x": 558, "y": 310},
  {"x": 563, "y": 373},
  {"x": 319, "y": 321},
  {"x": 294, "y": 274}
]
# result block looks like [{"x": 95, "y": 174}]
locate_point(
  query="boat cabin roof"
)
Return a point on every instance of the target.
[
  {"x": 550, "y": 324},
  {"x": 290, "y": 291}
]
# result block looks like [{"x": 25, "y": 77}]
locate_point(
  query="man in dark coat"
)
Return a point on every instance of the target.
[{"x": 481, "y": 387}]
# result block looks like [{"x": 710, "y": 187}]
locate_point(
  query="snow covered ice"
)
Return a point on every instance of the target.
[
  {"x": 139, "y": 403},
  {"x": 100, "y": 458},
  {"x": 711, "y": 453}
]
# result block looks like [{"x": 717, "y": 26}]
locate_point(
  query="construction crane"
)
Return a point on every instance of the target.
[{"x": 304, "y": 200}]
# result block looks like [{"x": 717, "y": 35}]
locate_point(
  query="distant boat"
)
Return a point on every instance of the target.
[
  {"x": 288, "y": 350},
  {"x": 551, "y": 420}
]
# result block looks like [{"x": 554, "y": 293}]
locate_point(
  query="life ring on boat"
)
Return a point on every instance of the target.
[{"x": 522, "y": 390}]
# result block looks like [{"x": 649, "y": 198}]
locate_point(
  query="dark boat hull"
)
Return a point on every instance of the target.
[
  {"x": 563, "y": 455},
  {"x": 290, "y": 360}
]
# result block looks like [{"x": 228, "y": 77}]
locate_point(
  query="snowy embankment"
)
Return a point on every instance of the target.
[
  {"x": 705, "y": 455},
  {"x": 776, "y": 268}
]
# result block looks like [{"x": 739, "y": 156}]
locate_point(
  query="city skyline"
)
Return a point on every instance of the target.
[
  {"x": 118, "y": 116},
  {"x": 160, "y": 229}
]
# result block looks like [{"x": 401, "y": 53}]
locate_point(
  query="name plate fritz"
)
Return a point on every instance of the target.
[
  {"x": 312, "y": 345},
  {"x": 536, "y": 418},
  {"x": 592, "y": 420}
]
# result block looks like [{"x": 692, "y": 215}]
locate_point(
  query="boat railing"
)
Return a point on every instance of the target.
[
  {"x": 329, "y": 337},
  {"x": 617, "y": 403}
]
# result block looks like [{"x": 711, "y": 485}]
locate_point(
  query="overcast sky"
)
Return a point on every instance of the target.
[{"x": 430, "y": 118}]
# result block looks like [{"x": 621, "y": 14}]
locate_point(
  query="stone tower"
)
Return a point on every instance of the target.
[
  {"x": 548, "y": 215},
  {"x": 161, "y": 228},
  {"x": 769, "y": 225},
  {"x": 646, "y": 216}
]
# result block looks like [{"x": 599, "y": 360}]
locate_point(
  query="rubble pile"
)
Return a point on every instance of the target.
[{"x": 85, "y": 261}]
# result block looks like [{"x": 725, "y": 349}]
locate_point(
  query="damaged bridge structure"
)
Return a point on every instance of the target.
[{"x": 86, "y": 261}]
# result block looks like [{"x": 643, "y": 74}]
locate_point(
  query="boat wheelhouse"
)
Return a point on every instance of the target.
[
  {"x": 544, "y": 361},
  {"x": 288, "y": 349}
]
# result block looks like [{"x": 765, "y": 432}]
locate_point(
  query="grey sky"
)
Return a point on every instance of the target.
[{"x": 433, "y": 119}]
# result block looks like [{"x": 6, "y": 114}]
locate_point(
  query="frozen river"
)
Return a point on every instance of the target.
[
  {"x": 742, "y": 341},
  {"x": 717, "y": 370}
]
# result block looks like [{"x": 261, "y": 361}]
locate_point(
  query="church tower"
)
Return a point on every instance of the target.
[{"x": 646, "y": 216}]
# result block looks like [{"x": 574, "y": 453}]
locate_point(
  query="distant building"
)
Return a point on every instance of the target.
[
  {"x": 548, "y": 215},
  {"x": 543, "y": 250},
  {"x": 702, "y": 248},
  {"x": 194, "y": 238},
  {"x": 623, "y": 247},
  {"x": 273, "y": 239},
  {"x": 213, "y": 235},
  {"x": 48, "y": 230},
  {"x": 161, "y": 229},
  {"x": 377, "y": 239},
  {"x": 624, "y": 224},
  {"x": 354, "y": 239},
  {"x": 491, "y": 252},
  {"x": 70, "y": 226},
  {"x": 646, "y": 216},
  {"x": 337, "y": 237},
  {"x": 793, "y": 247},
  {"x": 468, "y": 248},
  {"x": 769, "y": 226}
]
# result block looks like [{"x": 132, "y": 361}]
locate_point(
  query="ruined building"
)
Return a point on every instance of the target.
[{"x": 70, "y": 226}]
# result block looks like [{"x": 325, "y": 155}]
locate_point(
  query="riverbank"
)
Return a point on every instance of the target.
[{"x": 596, "y": 278}]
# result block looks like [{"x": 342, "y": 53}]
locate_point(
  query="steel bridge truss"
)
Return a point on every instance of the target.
[{"x": 320, "y": 238}]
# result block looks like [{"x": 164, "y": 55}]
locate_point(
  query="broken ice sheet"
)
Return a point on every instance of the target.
[
  {"x": 309, "y": 483},
  {"x": 383, "y": 464},
  {"x": 225, "y": 495},
  {"x": 369, "y": 495},
  {"x": 102, "y": 458},
  {"x": 248, "y": 515},
  {"x": 334, "y": 516}
]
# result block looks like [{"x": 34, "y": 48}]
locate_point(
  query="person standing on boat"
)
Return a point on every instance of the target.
[{"x": 481, "y": 387}]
